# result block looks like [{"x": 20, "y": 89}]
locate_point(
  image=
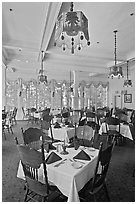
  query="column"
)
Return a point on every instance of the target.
[
  {"x": 75, "y": 98},
  {"x": 36, "y": 95},
  {"x": 4, "y": 86},
  {"x": 19, "y": 101}
]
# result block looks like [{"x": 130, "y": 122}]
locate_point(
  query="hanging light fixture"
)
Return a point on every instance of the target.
[
  {"x": 42, "y": 78},
  {"x": 127, "y": 82},
  {"x": 115, "y": 71},
  {"x": 72, "y": 30}
]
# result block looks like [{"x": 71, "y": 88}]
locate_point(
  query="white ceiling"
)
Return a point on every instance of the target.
[{"x": 29, "y": 28}]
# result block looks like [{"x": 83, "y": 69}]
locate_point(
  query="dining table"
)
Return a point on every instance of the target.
[
  {"x": 124, "y": 130},
  {"x": 61, "y": 133},
  {"x": 69, "y": 175}
]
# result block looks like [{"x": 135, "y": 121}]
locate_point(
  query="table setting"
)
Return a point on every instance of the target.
[
  {"x": 124, "y": 130},
  {"x": 69, "y": 172}
]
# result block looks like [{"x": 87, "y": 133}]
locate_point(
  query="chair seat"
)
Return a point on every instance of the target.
[
  {"x": 39, "y": 189},
  {"x": 113, "y": 132}
]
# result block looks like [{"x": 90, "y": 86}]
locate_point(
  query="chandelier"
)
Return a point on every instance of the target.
[
  {"x": 115, "y": 71},
  {"x": 72, "y": 30},
  {"x": 42, "y": 78},
  {"x": 127, "y": 82}
]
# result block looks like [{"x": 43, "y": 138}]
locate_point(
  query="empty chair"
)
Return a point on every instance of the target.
[
  {"x": 65, "y": 114},
  {"x": 13, "y": 116},
  {"x": 85, "y": 135},
  {"x": 37, "y": 186},
  {"x": 45, "y": 127},
  {"x": 82, "y": 122},
  {"x": 91, "y": 119},
  {"x": 71, "y": 133},
  {"x": 91, "y": 116},
  {"x": 113, "y": 129},
  {"x": 100, "y": 115},
  {"x": 31, "y": 137},
  {"x": 7, "y": 125},
  {"x": 25, "y": 113},
  {"x": 98, "y": 182}
]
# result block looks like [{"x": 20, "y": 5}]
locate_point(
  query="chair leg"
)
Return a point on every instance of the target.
[
  {"x": 105, "y": 187},
  {"x": 11, "y": 130},
  {"x": 26, "y": 194},
  {"x": 8, "y": 129},
  {"x": 3, "y": 133},
  {"x": 94, "y": 198}
]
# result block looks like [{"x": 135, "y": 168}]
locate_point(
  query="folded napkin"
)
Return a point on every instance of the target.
[
  {"x": 53, "y": 157},
  {"x": 51, "y": 147},
  {"x": 125, "y": 123},
  {"x": 82, "y": 155},
  {"x": 71, "y": 145},
  {"x": 70, "y": 125},
  {"x": 57, "y": 125}
]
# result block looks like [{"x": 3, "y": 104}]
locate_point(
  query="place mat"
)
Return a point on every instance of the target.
[
  {"x": 53, "y": 157},
  {"x": 82, "y": 155}
]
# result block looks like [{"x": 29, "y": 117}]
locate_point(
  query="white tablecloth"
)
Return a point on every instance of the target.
[
  {"x": 68, "y": 179},
  {"x": 60, "y": 133},
  {"x": 37, "y": 115},
  {"x": 124, "y": 130}
]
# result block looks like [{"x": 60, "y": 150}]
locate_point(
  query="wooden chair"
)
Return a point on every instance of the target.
[
  {"x": 31, "y": 137},
  {"x": 113, "y": 130},
  {"x": 45, "y": 126},
  {"x": 85, "y": 135},
  {"x": 14, "y": 116},
  {"x": 36, "y": 190},
  {"x": 25, "y": 114},
  {"x": 7, "y": 125},
  {"x": 98, "y": 182},
  {"x": 99, "y": 115}
]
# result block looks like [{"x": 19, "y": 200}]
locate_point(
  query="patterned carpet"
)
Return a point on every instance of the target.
[{"x": 120, "y": 179}]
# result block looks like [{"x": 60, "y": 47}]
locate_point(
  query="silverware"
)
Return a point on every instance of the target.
[{"x": 62, "y": 162}]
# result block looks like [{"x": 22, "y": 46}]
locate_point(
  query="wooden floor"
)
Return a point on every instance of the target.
[{"x": 120, "y": 180}]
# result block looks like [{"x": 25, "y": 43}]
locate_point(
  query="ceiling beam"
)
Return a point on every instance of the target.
[{"x": 50, "y": 19}]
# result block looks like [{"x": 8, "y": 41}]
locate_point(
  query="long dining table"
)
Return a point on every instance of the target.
[{"x": 69, "y": 176}]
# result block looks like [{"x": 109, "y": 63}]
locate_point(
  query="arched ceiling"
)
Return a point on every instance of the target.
[{"x": 28, "y": 28}]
